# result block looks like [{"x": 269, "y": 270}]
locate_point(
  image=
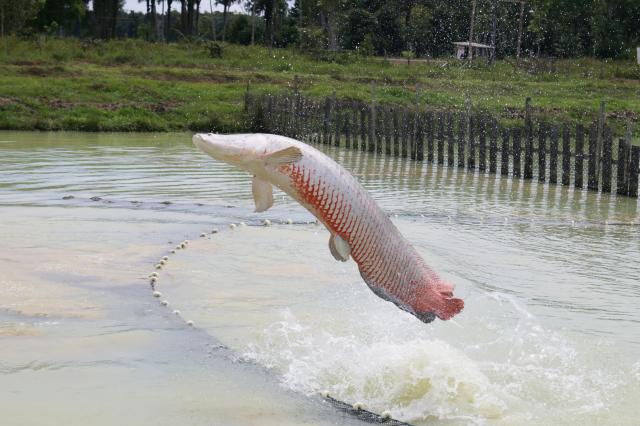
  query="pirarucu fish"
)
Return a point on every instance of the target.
[{"x": 389, "y": 265}]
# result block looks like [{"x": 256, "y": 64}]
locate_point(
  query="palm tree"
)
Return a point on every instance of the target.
[{"x": 225, "y": 8}]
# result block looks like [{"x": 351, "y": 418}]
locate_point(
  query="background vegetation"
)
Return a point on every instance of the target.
[
  {"x": 177, "y": 67},
  {"x": 127, "y": 85},
  {"x": 558, "y": 28}
]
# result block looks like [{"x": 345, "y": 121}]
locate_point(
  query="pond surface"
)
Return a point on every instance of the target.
[{"x": 550, "y": 333}]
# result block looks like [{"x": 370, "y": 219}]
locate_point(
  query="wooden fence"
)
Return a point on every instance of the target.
[{"x": 546, "y": 152}]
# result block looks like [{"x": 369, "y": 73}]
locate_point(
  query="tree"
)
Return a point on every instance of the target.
[
  {"x": 225, "y": 9},
  {"x": 167, "y": 31},
  {"x": 15, "y": 16},
  {"x": 66, "y": 15},
  {"x": 388, "y": 38},
  {"x": 196, "y": 26},
  {"x": 151, "y": 18},
  {"x": 419, "y": 30},
  {"x": 329, "y": 19},
  {"x": 187, "y": 15},
  {"x": 273, "y": 10},
  {"x": 359, "y": 23},
  {"x": 152, "y": 22},
  {"x": 615, "y": 27},
  {"x": 106, "y": 15}
]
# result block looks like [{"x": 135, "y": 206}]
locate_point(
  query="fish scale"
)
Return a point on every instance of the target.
[{"x": 387, "y": 262}]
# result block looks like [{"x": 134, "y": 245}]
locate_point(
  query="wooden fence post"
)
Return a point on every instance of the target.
[
  {"x": 528, "y": 151},
  {"x": 482, "y": 151},
  {"x": 347, "y": 129},
  {"x": 566, "y": 155},
  {"x": 600, "y": 140},
  {"x": 417, "y": 131},
  {"x": 462, "y": 124},
  {"x": 388, "y": 131},
  {"x": 372, "y": 119},
  {"x": 517, "y": 151},
  {"x": 420, "y": 137},
  {"x": 396, "y": 132},
  {"x": 450, "y": 140},
  {"x": 300, "y": 119},
  {"x": 371, "y": 129},
  {"x": 471, "y": 161},
  {"x": 493, "y": 146},
  {"x": 363, "y": 128},
  {"x": 337, "y": 127},
  {"x": 440, "y": 138},
  {"x": 275, "y": 126},
  {"x": 542, "y": 152},
  {"x": 411, "y": 137},
  {"x": 413, "y": 127},
  {"x": 380, "y": 125},
  {"x": 325, "y": 121},
  {"x": 504, "y": 159},
  {"x": 633, "y": 171},
  {"x": 430, "y": 133},
  {"x": 553, "y": 155},
  {"x": 288, "y": 115},
  {"x": 622, "y": 183},
  {"x": 270, "y": 117},
  {"x": 280, "y": 114},
  {"x": 592, "y": 182},
  {"x": 579, "y": 157},
  {"x": 405, "y": 133},
  {"x": 629, "y": 144},
  {"x": 607, "y": 148},
  {"x": 354, "y": 128}
]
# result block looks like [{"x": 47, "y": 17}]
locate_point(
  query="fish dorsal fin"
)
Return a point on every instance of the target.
[
  {"x": 339, "y": 248},
  {"x": 284, "y": 156},
  {"x": 262, "y": 194}
]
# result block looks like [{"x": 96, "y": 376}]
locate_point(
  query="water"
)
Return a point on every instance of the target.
[{"x": 550, "y": 333}]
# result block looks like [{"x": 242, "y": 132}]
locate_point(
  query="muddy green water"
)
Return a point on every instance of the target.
[{"x": 551, "y": 279}]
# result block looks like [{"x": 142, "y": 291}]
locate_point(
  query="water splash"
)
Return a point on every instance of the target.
[{"x": 515, "y": 371}]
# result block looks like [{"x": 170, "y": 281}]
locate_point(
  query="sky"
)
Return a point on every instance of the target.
[{"x": 204, "y": 6}]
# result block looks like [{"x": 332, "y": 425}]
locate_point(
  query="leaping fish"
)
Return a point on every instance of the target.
[{"x": 359, "y": 229}]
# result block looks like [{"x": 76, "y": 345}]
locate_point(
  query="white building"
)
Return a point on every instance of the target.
[{"x": 479, "y": 50}]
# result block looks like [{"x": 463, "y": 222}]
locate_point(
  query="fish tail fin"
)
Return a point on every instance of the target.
[
  {"x": 449, "y": 308},
  {"x": 431, "y": 304}
]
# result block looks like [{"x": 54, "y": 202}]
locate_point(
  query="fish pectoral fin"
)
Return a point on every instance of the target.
[
  {"x": 262, "y": 194},
  {"x": 339, "y": 248},
  {"x": 284, "y": 156}
]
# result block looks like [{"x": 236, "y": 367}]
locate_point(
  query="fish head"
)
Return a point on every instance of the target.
[
  {"x": 243, "y": 151},
  {"x": 259, "y": 154}
]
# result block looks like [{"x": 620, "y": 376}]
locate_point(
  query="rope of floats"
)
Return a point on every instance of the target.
[{"x": 356, "y": 409}]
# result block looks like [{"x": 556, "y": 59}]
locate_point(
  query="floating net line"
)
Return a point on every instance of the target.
[{"x": 356, "y": 409}]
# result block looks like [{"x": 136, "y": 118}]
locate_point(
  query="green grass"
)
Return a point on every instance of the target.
[{"x": 132, "y": 85}]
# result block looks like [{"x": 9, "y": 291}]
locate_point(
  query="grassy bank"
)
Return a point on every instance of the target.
[{"x": 131, "y": 85}]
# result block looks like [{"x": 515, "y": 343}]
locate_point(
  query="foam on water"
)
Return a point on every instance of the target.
[{"x": 485, "y": 369}]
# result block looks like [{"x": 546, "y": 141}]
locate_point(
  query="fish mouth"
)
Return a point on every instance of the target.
[
  {"x": 198, "y": 140},
  {"x": 220, "y": 147},
  {"x": 207, "y": 146}
]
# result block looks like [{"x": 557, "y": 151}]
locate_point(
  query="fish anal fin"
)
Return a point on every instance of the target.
[
  {"x": 284, "y": 156},
  {"x": 262, "y": 194},
  {"x": 339, "y": 248}
]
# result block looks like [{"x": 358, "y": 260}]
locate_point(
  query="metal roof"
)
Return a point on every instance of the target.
[{"x": 466, "y": 43}]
